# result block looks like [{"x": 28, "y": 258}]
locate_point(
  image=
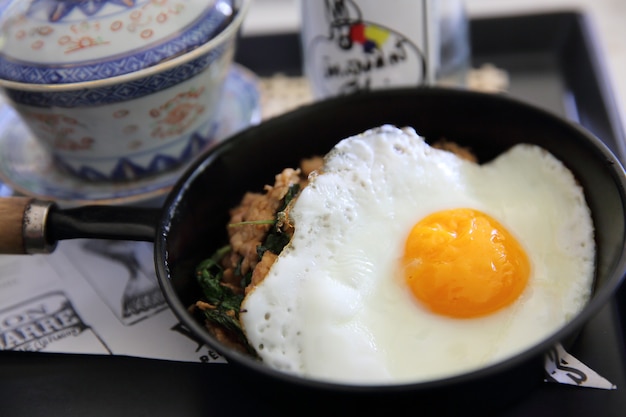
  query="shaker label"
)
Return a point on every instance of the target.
[{"x": 347, "y": 52}]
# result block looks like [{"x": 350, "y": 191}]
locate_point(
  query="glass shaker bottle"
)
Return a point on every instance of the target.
[{"x": 356, "y": 45}]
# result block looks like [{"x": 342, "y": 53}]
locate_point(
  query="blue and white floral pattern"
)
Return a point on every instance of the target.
[
  {"x": 58, "y": 9},
  {"x": 90, "y": 33},
  {"x": 28, "y": 169},
  {"x": 117, "y": 92},
  {"x": 131, "y": 127}
]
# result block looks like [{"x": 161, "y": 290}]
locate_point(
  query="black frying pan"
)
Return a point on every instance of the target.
[{"x": 191, "y": 225}]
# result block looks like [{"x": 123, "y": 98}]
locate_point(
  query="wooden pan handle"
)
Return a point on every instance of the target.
[{"x": 23, "y": 225}]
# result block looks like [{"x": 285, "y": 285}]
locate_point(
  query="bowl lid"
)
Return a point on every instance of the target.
[{"x": 69, "y": 41}]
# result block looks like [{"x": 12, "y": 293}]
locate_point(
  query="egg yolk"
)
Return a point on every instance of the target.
[{"x": 462, "y": 263}]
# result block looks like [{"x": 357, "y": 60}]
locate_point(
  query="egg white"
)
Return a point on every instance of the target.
[{"x": 335, "y": 306}]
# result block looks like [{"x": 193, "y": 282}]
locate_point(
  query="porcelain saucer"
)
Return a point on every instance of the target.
[{"x": 28, "y": 170}]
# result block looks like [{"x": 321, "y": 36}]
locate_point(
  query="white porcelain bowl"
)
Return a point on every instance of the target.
[{"x": 111, "y": 108}]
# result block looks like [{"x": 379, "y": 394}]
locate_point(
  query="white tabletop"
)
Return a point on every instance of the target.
[{"x": 607, "y": 19}]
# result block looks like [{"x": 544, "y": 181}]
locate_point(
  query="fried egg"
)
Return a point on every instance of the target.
[{"x": 410, "y": 264}]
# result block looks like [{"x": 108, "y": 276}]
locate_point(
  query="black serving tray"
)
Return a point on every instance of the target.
[{"x": 552, "y": 62}]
